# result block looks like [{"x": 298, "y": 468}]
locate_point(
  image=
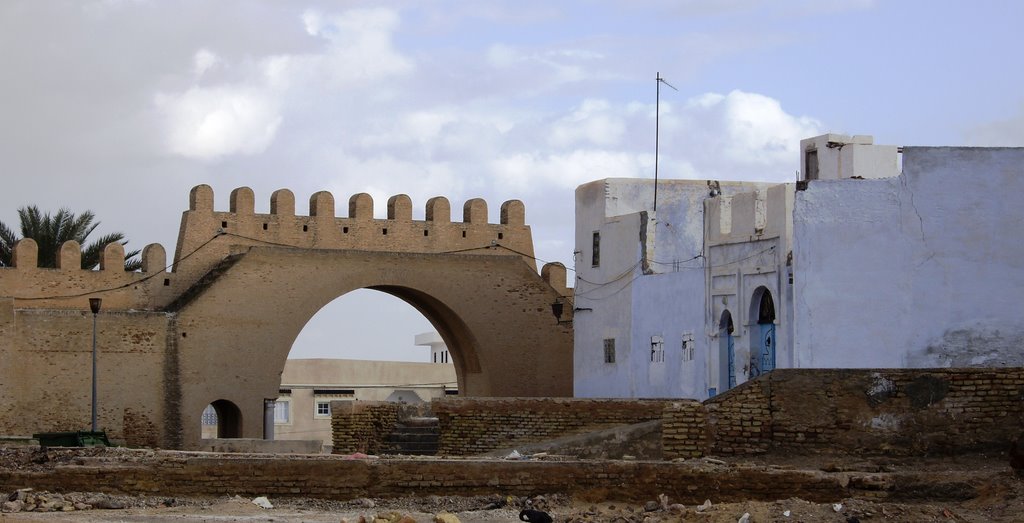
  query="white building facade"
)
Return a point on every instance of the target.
[{"x": 857, "y": 265}]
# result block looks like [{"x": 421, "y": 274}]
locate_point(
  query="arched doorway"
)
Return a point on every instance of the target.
[
  {"x": 494, "y": 317},
  {"x": 222, "y": 419},
  {"x": 762, "y": 351},
  {"x": 726, "y": 353}
]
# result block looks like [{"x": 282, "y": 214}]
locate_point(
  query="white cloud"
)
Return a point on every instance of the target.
[
  {"x": 208, "y": 123},
  {"x": 526, "y": 172},
  {"x": 740, "y": 135},
  {"x": 242, "y": 115},
  {"x": 203, "y": 60},
  {"x": 592, "y": 123}
]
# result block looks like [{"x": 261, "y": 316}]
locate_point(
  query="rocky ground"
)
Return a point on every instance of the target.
[{"x": 999, "y": 497}]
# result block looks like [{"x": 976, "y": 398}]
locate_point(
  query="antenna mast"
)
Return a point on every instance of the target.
[{"x": 657, "y": 129}]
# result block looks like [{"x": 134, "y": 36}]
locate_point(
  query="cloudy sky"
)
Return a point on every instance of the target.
[{"x": 121, "y": 106}]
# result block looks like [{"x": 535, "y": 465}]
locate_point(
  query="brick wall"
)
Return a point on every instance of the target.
[
  {"x": 860, "y": 411},
  {"x": 740, "y": 421},
  {"x": 909, "y": 411},
  {"x": 684, "y": 430},
  {"x": 168, "y": 473},
  {"x": 477, "y": 425},
  {"x": 362, "y": 426}
]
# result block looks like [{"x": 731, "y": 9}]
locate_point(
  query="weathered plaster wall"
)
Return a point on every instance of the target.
[
  {"x": 922, "y": 270},
  {"x": 650, "y": 283}
]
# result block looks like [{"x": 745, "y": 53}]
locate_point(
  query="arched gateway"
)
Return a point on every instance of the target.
[{"x": 220, "y": 326}]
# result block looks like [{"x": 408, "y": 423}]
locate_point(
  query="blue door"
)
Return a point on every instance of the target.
[
  {"x": 762, "y": 355},
  {"x": 767, "y": 347},
  {"x": 727, "y": 359},
  {"x": 763, "y": 359}
]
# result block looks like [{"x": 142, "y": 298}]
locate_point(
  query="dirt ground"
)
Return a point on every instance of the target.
[{"x": 998, "y": 497}]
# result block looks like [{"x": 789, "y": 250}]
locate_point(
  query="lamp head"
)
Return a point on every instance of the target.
[{"x": 94, "y": 304}]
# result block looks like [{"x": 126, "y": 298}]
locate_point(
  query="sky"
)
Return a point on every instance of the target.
[{"x": 122, "y": 106}]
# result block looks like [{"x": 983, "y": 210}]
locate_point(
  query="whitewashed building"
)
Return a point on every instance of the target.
[{"x": 861, "y": 263}]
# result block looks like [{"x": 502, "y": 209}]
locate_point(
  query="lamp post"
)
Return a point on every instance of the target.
[{"x": 94, "y": 305}]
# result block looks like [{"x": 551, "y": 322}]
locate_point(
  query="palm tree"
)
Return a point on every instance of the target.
[{"x": 50, "y": 232}]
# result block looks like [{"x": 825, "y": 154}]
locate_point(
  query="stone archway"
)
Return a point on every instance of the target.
[
  {"x": 243, "y": 285},
  {"x": 493, "y": 313}
]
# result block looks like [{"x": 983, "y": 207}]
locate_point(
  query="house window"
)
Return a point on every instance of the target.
[
  {"x": 687, "y": 346},
  {"x": 323, "y": 409},
  {"x": 282, "y": 411},
  {"x": 322, "y": 399},
  {"x": 609, "y": 350},
  {"x": 595, "y": 254},
  {"x": 209, "y": 416},
  {"x": 811, "y": 165},
  {"x": 657, "y": 349}
]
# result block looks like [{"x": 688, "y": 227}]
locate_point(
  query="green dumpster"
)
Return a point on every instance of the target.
[{"x": 79, "y": 438}]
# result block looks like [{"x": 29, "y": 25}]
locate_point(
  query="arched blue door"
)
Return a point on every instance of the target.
[
  {"x": 726, "y": 354},
  {"x": 762, "y": 360}
]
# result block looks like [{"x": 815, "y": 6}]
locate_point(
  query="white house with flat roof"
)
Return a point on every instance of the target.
[{"x": 877, "y": 256}]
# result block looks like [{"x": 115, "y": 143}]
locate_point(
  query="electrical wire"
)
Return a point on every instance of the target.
[{"x": 129, "y": 284}]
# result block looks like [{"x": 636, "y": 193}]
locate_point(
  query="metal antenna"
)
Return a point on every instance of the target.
[{"x": 657, "y": 128}]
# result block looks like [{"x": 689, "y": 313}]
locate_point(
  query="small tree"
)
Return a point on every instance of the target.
[{"x": 50, "y": 232}]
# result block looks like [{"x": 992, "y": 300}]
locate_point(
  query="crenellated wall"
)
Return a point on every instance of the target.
[
  {"x": 750, "y": 216},
  {"x": 208, "y": 236},
  {"x": 217, "y": 326},
  {"x": 321, "y": 229}
]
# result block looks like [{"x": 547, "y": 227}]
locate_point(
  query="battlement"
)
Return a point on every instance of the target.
[
  {"x": 208, "y": 236},
  {"x": 322, "y": 229},
  {"x": 764, "y": 213},
  {"x": 68, "y": 285}
]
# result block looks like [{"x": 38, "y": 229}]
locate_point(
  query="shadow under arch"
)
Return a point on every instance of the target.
[{"x": 229, "y": 419}]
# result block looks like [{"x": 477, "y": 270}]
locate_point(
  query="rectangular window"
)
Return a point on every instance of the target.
[
  {"x": 657, "y": 349},
  {"x": 323, "y": 409},
  {"x": 811, "y": 165},
  {"x": 687, "y": 346},
  {"x": 282, "y": 411},
  {"x": 609, "y": 350},
  {"x": 595, "y": 254}
]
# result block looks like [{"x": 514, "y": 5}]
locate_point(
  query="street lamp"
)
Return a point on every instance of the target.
[{"x": 94, "y": 305}]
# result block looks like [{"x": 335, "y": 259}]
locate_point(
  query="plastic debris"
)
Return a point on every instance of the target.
[{"x": 262, "y": 502}]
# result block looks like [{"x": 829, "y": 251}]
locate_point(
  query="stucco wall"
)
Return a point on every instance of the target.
[
  {"x": 650, "y": 284},
  {"x": 922, "y": 270}
]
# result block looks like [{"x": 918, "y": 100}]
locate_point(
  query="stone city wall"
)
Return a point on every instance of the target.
[
  {"x": 48, "y": 373},
  {"x": 219, "y": 325}
]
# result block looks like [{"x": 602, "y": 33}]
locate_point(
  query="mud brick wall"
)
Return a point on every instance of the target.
[
  {"x": 171, "y": 474},
  {"x": 740, "y": 421},
  {"x": 684, "y": 430},
  {"x": 902, "y": 412},
  {"x": 362, "y": 426},
  {"x": 477, "y": 425}
]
